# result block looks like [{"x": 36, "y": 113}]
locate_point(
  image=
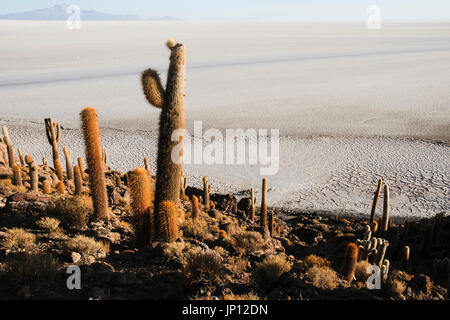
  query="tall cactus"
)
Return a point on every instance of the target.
[
  {"x": 9, "y": 147},
  {"x": 34, "y": 178},
  {"x": 385, "y": 218},
  {"x": 252, "y": 204},
  {"x": 167, "y": 221},
  {"x": 91, "y": 134},
  {"x": 375, "y": 201},
  {"x": 141, "y": 192},
  {"x": 351, "y": 257},
  {"x": 78, "y": 181},
  {"x": 195, "y": 207},
  {"x": 206, "y": 190},
  {"x": 69, "y": 169},
  {"x": 263, "y": 214},
  {"x": 80, "y": 166},
  {"x": 22, "y": 161},
  {"x": 53, "y": 131},
  {"x": 171, "y": 102}
]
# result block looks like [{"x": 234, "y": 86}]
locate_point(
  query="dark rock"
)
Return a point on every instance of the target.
[
  {"x": 309, "y": 235},
  {"x": 26, "y": 203},
  {"x": 244, "y": 204}
]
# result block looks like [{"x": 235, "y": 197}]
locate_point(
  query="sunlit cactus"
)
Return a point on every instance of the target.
[
  {"x": 385, "y": 218},
  {"x": 61, "y": 188},
  {"x": 46, "y": 187},
  {"x": 206, "y": 191},
  {"x": 171, "y": 102},
  {"x": 53, "y": 131},
  {"x": 91, "y": 134},
  {"x": 78, "y": 181},
  {"x": 34, "y": 178},
  {"x": 195, "y": 207},
  {"x": 9, "y": 147},
  {"x": 375, "y": 201},
  {"x": 17, "y": 176},
  {"x": 21, "y": 159},
  {"x": 142, "y": 197},
  {"x": 59, "y": 170},
  {"x": 350, "y": 259},
  {"x": 263, "y": 214},
  {"x": 69, "y": 169},
  {"x": 167, "y": 221},
  {"x": 80, "y": 166}
]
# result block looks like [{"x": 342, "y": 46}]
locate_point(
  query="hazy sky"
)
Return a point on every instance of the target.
[{"x": 251, "y": 9}]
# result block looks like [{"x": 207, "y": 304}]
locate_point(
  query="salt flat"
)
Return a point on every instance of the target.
[{"x": 352, "y": 104}]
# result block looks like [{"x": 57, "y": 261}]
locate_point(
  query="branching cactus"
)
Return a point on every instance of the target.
[
  {"x": 22, "y": 161},
  {"x": 17, "y": 176},
  {"x": 351, "y": 257},
  {"x": 142, "y": 197},
  {"x": 167, "y": 221},
  {"x": 206, "y": 190},
  {"x": 375, "y": 201},
  {"x": 382, "y": 247},
  {"x": 69, "y": 169},
  {"x": 385, "y": 218},
  {"x": 78, "y": 181},
  {"x": 263, "y": 214},
  {"x": 53, "y": 131},
  {"x": 91, "y": 134},
  {"x": 171, "y": 102},
  {"x": 9, "y": 147}
]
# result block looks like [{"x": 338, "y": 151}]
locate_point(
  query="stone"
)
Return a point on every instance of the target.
[
  {"x": 26, "y": 203},
  {"x": 75, "y": 257}
]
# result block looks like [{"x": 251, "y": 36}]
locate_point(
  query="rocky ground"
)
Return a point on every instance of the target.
[{"x": 222, "y": 254}]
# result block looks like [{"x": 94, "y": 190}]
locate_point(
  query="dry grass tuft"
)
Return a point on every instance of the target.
[
  {"x": 17, "y": 238},
  {"x": 313, "y": 260},
  {"x": 322, "y": 277},
  {"x": 248, "y": 296},
  {"x": 26, "y": 268},
  {"x": 86, "y": 246},
  {"x": 247, "y": 242},
  {"x": 196, "y": 228},
  {"x": 51, "y": 225},
  {"x": 361, "y": 272},
  {"x": 73, "y": 211},
  {"x": 203, "y": 265},
  {"x": 267, "y": 273}
]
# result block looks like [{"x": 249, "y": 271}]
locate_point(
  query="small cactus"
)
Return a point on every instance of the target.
[
  {"x": 22, "y": 161},
  {"x": 17, "y": 176},
  {"x": 80, "y": 166},
  {"x": 142, "y": 197},
  {"x": 351, "y": 257},
  {"x": 59, "y": 170},
  {"x": 34, "y": 178},
  {"x": 252, "y": 204},
  {"x": 46, "y": 187},
  {"x": 69, "y": 169},
  {"x": 91, "y": 134},
  {"x": 206, "y": 190},
  {"x": 263, "y": 214},
  {"x": 61, "y": 188},
  {"x": 167, "y": 218},
  {"x": 78, "y": 181},
  {"x": 9, "y": 147},
  {"x": 195, "y": 207}
]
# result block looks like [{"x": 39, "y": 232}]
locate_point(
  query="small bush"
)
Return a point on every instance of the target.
[
  {"x": 313, "y": 260},
  {"x": 26, "y": 268},
  {"x": 322, "y": 277},
  {"x": 361, "y": 272},
  {"x": 267, "y": 273},
  {"x": 247, "y": 241},
  {"x": 85, "y": 246},
  {"x": 17, "y": 238},
  {"x": 49, "y": 224},
  {"x": 73, "y": 211},
  {"x": 196, "y": 228},
  {"x": 203, "y": 265},
  {"x": 248, "y": 296}
]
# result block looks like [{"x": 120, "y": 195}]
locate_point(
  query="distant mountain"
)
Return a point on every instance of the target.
[{"x": 59, "y": 12}]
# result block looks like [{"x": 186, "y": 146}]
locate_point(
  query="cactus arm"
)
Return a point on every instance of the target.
[
  {"x": 153, "y": 89},
  {"x": 58, "y": 132}
]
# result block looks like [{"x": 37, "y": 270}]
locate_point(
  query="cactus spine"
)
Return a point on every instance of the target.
[
  {"x": 375, "y": 201},
  {"x": 168, "y": 221},
  {"x": 263, "y": 214},
  {"x": 69, "y": 169},
  {"x": 9, "y": 147},
  {"x": 53, "y": 138},
  {"x": 385, "y": 218},
  {"x": 78, "y": 181},
  {"x": 91, "y": 134},
  {"x": 141, "y": 192},
  {"x": 351, "y": 257},
  {"x": 17, "y": 176},
  {"x": 171, "y": 102}
]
